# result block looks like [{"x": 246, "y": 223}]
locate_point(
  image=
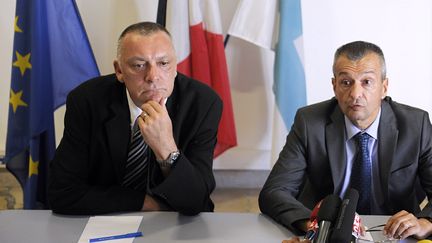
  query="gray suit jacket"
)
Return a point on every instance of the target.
[{"x": 313, "y": 161}]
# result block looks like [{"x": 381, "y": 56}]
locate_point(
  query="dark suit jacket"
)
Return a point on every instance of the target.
[
  {"x": 88, "y": 168},
  {"x": 313, "y": 161}
]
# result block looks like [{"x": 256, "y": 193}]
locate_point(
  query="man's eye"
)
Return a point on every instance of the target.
[
  {"x": 367, "y": 82},
  {"x": 345, "y": 82},
  {"x": 138, "y": 66},
  {"x": 164, "y": 63}
]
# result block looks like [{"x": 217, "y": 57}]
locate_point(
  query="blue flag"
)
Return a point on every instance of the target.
[
  {"x": 290, "y": 85},
  {"x": 51, "y": 56}
]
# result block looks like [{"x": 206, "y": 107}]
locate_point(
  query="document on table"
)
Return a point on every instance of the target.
[{"x": 105, "y": 226}]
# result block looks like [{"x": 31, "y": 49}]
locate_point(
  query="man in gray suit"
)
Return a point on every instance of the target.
[{"x": 320, "y": 151}]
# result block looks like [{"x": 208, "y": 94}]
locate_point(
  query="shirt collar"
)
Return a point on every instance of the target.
[
  {"x": 135, "y": 111},
  {"x": 372, "y": 130}
]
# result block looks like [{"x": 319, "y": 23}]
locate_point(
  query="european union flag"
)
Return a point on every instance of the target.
[{"x": 51, "y": 55}]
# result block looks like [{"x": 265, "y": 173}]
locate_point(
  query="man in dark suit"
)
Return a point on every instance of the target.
[
  {"x": 320, "y": 152},
  {"x": 174, "y": 117}
]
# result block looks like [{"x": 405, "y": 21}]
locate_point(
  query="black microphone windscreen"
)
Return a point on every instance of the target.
[
  {"x": 342, "y": 230},
  {"x": 329, "y": 208},
  {"x": 326, "y": 217}
]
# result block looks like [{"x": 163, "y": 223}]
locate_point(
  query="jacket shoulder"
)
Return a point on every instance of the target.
[
  {"x": 99, "y": 84},
  {"x": 402, "y": 109},
  {"x": 321, "y": 110},
  {"x": 196, "y": 89}
]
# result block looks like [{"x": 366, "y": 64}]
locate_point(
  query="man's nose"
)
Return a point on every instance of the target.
[
  {"x": 356, "y": 90},
  {"x": 152, "y": 73}
]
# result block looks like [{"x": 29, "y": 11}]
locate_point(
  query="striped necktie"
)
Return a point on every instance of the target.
[
  {"x": 361, "y": 174},
  {"x": 136, "y": 166}
]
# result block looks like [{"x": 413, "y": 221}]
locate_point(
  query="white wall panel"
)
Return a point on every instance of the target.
[{"x": 402, "y": 28}]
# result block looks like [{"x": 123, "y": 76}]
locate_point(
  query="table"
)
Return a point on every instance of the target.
[
  {"x": 18, "y": 226},
  {"x": 373, "y": 220},
  {"x": 44, "y": 226}
]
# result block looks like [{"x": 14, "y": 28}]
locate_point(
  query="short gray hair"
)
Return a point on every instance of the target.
[
  {"x": 142, "y": 28},
  {"x": 357, "y": 50}
]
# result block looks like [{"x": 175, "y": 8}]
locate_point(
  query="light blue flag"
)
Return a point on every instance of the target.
[{"x": 289, "y": 85}]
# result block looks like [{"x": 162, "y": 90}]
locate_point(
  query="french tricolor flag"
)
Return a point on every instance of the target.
[{"x": 195, "y": 26}]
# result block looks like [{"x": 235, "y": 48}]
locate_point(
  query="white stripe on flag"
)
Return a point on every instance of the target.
[
  {"x": 178, "y": 25},
  {"x": 255, "y": 21}
]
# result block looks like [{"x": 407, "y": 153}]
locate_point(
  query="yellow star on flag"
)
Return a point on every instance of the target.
[
  {"x": 15, "y": 100},
  {"x": 16, "y": 27},
  {"x": 33, "y": 167},
  {"x": 22, "y": 62}
]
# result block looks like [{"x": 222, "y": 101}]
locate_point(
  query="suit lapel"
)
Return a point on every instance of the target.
[
  {"x": 387, "y": 139},
  {"x": 335, "y": 140},
  {"x": 117, "y": 129}
]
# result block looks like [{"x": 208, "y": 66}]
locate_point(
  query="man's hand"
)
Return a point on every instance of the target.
[
  {"x": 296, "y": 240},
  {"x": 156, "y": 128},
  {"x": 150, "y": 204},
  {"x": 302, "y": 224},
  {"x": 404, "y": 224}
]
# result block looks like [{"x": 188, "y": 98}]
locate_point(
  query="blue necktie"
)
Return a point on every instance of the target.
[
  {"x": 136, "y": 165},
  {"x": 361, "y": 173}
]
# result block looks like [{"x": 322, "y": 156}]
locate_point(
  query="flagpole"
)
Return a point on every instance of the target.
[{"x": 161, "y": 12}]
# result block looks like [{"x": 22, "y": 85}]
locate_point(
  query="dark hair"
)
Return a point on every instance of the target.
[
  {"x": 142, "y": 28},
  {"x": 358, "y": 49}
]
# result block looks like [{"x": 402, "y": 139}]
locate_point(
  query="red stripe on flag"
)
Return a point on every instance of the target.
[
  {"x": 206, "y": 61},
  {"x": 184, "y": 66},
  {"x": 200, "y": 54},
  {"x": 209, "y": 66}
]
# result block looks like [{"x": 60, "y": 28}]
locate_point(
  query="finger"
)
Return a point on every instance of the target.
[
  {"x": 148, "y": 108},
  {"x": 163, "y": 104},
  {"x": 408, "y": 232},
  {"x": 396, "y": 217},
  {"x": 362, "y": 230},
  {"x": 163, "y": 101},
  {"x": 393, "y": 223},
  {"x": 400, "y": 230},
  {"x": 152, "y": 108},
  {"x": 140, "y": 121},
  {"x": 399, "y": 224},
  {"x": 292, "y": 240},
  {"x": 144, "y": 114}
]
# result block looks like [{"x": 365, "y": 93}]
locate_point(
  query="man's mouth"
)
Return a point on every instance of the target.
[{"x": 356, "y": 106}]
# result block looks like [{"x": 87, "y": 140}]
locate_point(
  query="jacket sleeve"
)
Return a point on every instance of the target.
[
  {"x": 188, "y": 186},
  {"x": 425, "y": 166},
  {"x": 278, "y": 195}
]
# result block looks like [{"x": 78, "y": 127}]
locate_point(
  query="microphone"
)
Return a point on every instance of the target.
[
  {"x": 342, "y": 231},
  {"x": 313, "y": 223},
  {"x": 326, "y": 216}
]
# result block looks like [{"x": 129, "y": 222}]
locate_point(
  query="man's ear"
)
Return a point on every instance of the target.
[
  {"x": 118, "y": 71},
  {"x": 385, "y": 88},
  {"x": 333, "y": 80}
]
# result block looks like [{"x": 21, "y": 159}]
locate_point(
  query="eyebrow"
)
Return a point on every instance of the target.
[
  {"x": 137, "y": 58},
  {"x": 346, "y": 73}
]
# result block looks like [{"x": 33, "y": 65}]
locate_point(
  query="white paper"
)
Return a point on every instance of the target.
[{"x": 103, "y": 226}]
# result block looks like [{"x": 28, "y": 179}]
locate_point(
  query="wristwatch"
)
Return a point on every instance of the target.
[{"x": 168, "y": 162}]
